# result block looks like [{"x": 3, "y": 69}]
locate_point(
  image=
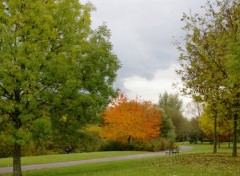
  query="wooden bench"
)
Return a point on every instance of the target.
[{"x": 172, "y": 151}]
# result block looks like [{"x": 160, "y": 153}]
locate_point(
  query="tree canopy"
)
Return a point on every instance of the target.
[
  {"x": 131, "y": 119},
  {"x": 172, "y": 106},
  {"x": 52, "y": 65},
  {"x": 210, "y": 56}
]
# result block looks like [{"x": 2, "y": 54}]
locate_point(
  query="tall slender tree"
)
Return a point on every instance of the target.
[{"x": 206, "y": 67}]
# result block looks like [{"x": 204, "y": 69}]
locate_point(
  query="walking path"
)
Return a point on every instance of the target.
[{"x": 70, "y": 163}]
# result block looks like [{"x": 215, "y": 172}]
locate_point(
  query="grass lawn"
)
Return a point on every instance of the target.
[
  {"x": 206, "y": 148},
  {"x": 197, "y": 162},
  {"x": 4, "y": 162},
  {"x": 175, "y": 165}
]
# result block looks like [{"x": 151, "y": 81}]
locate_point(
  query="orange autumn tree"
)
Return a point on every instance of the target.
[{"x": 131, "y": 119}]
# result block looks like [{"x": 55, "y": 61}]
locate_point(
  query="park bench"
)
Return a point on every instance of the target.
[{"x": 172, "y": 151}]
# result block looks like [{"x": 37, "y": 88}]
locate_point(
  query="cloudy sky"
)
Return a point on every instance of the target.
[{"x": 142, "y": 35}]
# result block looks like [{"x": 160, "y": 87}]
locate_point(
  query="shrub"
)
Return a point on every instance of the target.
[
  {"x": 116, "y": 146},
  {"x": 90, "y": 140},
  {"x": 153, "y": 145},
  {"x": 164, "y": 144},
  {"x": 175, "y": 146}
]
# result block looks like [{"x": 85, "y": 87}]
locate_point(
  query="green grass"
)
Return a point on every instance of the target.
[
  {"x": 174, "y": 165},
  {"x": 197, "y": 162},
  {"x": 207, "y": 148},
  {"x": 4, "y": 162}
]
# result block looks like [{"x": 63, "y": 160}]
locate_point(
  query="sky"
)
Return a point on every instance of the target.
[{"x": 142, "y": 35}]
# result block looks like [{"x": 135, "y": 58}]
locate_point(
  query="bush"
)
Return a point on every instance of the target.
[
  {"x": 175, "y": 146},
  {"x": 164, "y": 144},
  {"x": 90, "y": 140},
  {"x": 153, "y": 145},
  {"x": 116, "y": 146}
]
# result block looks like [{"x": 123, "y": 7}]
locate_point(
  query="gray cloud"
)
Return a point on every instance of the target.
[{"x": 142, "y": 35}]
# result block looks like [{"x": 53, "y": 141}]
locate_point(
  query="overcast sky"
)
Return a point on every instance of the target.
[{"x": 142, "y": 35}]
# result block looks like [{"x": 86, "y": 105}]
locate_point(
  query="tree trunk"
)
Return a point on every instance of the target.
[
  {"x": 234, "y": 153},
  {"x": 219, "y": 141},
  {"x": 215, "y": 134},
  {"x": 129, "y": 140},
  {"x": 229, "y": 138},
  {"x": 17, "y": 170}
]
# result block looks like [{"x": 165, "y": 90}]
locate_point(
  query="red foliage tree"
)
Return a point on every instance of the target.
[{"x": 131, "y": 119}]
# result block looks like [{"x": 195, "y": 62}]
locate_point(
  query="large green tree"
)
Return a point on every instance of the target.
[
  {"x": 208, "y": 58},
  {"x": 172, "y": 106},
  {"x": 52, "y": 65}
]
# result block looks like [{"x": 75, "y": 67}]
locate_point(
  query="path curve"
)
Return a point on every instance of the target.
[{"x": 5, "y": 170}]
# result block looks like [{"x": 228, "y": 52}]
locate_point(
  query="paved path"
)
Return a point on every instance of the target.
[{"x": 70, "y": 163}]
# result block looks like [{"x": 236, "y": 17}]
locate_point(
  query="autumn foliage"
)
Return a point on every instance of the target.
[{"x": 131, "y": 119}]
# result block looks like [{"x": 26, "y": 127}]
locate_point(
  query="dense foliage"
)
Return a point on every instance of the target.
[
  {"x": 174, "y": 120},
  {"x": 56, "y": 72},
  {"x": 210, "y": 59},
  {"x": 127, "y": 120}
]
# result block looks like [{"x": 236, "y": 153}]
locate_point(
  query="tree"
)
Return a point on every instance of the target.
[
  {"x": 224, "y": 125},
  {"x": 131, "y": 119},
  {"x": 167, "y": 100},
  {"x": 52, "y": 65},
  {"x": 194, "y": 109},
  {"x": 172, "y": 105},
  {"x": 206, "y": 123},
  {"x": 167, "y": 129},
  {"x": 208, "y": 58},
  {"x": 196, "y": 133}
]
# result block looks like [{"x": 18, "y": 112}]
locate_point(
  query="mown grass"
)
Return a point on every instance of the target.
[
  {"x": 175, "y": 165},
  {"x": 206, "y": 148},
  {"x": 5, "y": 162},
  {"x": 200, "y": 161}
]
